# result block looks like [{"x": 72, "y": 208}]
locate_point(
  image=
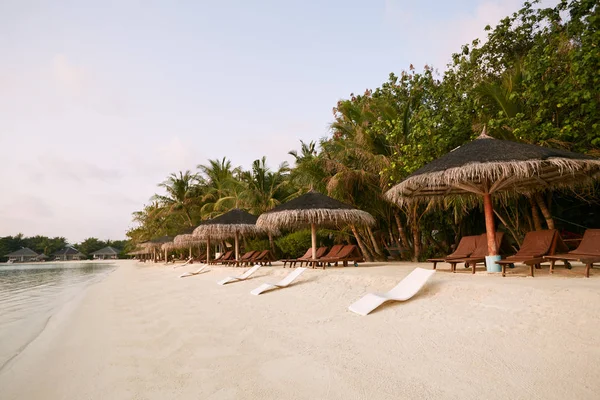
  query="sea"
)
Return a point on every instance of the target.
[{"x": 30, "y": 294}]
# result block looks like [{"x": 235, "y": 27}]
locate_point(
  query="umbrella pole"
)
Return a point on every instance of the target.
[
  {"x": 190, "y": 251},
  {"x": 237, "y": 246},
  {"x": 313, "y": 238},
  {"x": 207, "y": 250},
  {"x": 489, "y": 224},
  {"x": 166, "y": 257}
]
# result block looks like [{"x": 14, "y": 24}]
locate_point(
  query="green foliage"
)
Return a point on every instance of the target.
[
  {"x": 39, "y": 244},
  {"x": 296, "y": 243},
  {"x": 257, "y": 244},
  {"x": 535, "y": 80}
]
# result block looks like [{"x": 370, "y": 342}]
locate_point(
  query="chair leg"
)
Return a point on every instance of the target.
[
  {"x": 434, "y": 264},
  {"x": 588, "y": 266},
  {"x": 503, "y": 269},
  {"x": 533, "y": 266},
  {"x": 552, "y": 266},
  {"x": 474, "y": 265}
]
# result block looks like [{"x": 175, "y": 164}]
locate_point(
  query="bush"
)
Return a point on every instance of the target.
[
  {"x": 257, "y": 244},
  {"x": 295, "y": 244}
]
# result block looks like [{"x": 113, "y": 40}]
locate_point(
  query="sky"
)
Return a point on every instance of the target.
[{"x": 102, "y": 100}]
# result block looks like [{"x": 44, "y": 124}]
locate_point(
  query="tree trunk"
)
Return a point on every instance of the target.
[
  {"x": 537, "y": 222},
  {"x": 189, "y": 218},
  {"x": 490, "y": 228},
  {"x": 376, "y": 247},
  {"x": 271, "y": 243},
  {"x": 402, "y": 232},
  {"x": 363, "y": 249},
  {"x": 545, "y": 211},
  {"x": 512, "y": 232},
  {"x": 416, "y": 233}
]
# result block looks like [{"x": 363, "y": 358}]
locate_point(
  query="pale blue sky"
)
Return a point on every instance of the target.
[{"x": 101, "y": 100}]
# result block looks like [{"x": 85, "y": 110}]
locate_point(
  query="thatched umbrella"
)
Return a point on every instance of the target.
[
  {"x": 486, "y": 166},
  {"x": 312, "y": 209},
  {"x": 187, "y": 239},
  {"x": 231, "y": 224},
  {"x": 166, "y": 247},
  {"x": 156, "y": 243}
]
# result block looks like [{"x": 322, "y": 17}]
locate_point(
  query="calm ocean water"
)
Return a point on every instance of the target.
[{"x": 31, "y": 293}]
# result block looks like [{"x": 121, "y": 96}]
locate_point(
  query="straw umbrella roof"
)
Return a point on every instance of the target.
[
  {"x": 22, "y": 252},
  {"x": 314, "y": 208},
  {"x": 156, "y": 242},
  {"x": 137, "y": 252},
  {"x": 168, "y": 246},
  {"x": 228, "y": 225},
  {"x": 187, "y": 238},
  {"x": 488, "y": 165}
]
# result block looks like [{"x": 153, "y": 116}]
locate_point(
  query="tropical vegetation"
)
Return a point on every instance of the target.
[{"x": 534, "y": 79}]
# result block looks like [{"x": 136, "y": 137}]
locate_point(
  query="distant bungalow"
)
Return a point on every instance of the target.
[
  {"x": 22, "y": 255},
  {"x": 67, "y": 254},
  {"x": 107, "y": 253}
]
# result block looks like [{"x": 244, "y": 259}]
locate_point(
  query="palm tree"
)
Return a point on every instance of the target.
[
  {"x": 221, "y": 187},
  {"x": 182, "y": 192},
  {"x": 265, "y": 189}
]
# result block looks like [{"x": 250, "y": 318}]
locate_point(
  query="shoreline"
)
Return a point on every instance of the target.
[
  {"x": 141, "y": 332},
  {"x": 69, "y": 298}
]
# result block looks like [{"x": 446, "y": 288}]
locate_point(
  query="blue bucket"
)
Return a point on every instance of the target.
[{"x": 491, "y": 265}]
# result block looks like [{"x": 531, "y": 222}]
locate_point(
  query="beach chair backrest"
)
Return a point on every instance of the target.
[
  {"x": 346, "y": 251},
  {"x": 306, "y": 255},
  {"x": 227, "y": 256},
  {"x": 249, "y": 255},
  {"x": 291, "y": 276},
  {"x": 321, "y": 251},
  {"x": 537, "y": 243},
  {"x": 466, "y": 247},
  {"x": 334, "y": 251},
  {"x": 249, "y": 272},
  {"x": 590, "y": 244},
  {"x": 482, "y": 250},
  {"x": 260, "y": 255}
]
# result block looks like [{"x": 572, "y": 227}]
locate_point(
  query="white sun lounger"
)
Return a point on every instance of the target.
[
  {"x": 407, "y": 288},
  {"x": 291, "y": 277},
  {"x": 184, "y": 264},
  {"x": 199, "y": 271},
  {"x": 241, "y": 277}
]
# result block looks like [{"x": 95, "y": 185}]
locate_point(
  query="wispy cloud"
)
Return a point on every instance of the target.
[
  {"x": 431, "y": 36},
  {"x": 86, "y": 86},
  {"x": 50, "y": 168}
]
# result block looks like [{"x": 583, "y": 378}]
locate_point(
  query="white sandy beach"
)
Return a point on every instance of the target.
[{"x": 143, "y": 333}]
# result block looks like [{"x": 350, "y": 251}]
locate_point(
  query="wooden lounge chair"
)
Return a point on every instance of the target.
[
  {"x": 294, "y": 260},
  {"x": 223, "y": 257},
  {"x": 291, "y": 277},
  {"x": 535, "y": 246},
  {"x": 479, "y": 254},
  {"x": 332, "y": 253},
  {"x": 465, "y": 248},
  {"x": 243, "y": 259},
  {"x": 406, "y": 289},
  {"x": 347, "y": 253},
  {"x": 305, "y": 258},
  {"x": 263, "y": 257},
  {"x": 588, "y": 252}
]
